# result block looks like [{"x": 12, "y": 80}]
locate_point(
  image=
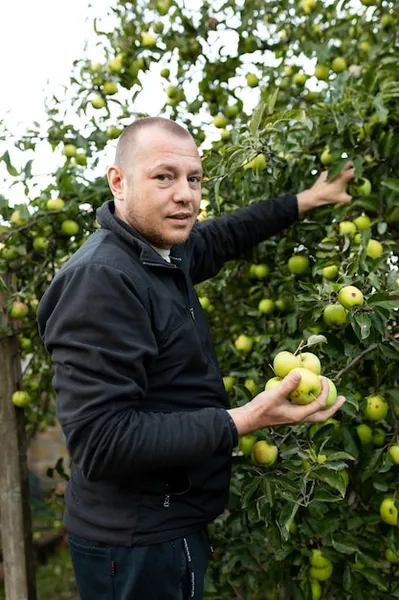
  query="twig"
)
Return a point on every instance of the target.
[{"x": 354, "y": 361}]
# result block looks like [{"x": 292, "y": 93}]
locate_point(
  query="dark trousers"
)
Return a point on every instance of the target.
[{"x": 172, "y": 570}]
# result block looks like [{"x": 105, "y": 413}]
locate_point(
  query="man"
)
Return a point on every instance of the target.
[{"x": 139, "y": 394}]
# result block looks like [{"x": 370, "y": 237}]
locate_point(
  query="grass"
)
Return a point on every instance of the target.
[{"x": 54, "y": 580}]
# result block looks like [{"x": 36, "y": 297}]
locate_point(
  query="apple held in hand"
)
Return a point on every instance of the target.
[
  {"x": 332, "y": 393},
  {"x": 308, "y": 388},
  {"x": 311, "y": 362},
  {"x": 284, "y": 362},
  {"x": 272, "y": 383}
]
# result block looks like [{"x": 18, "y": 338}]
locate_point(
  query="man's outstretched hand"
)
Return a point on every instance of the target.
[
  {"x": 272, "y": 408},
  {"x": 327, "y": 192}
]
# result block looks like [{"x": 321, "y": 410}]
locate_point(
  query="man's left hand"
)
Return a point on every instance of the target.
[{"x": 327, "y": 192}]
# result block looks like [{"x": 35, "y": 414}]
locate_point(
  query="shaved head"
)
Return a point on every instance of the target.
[{"x": 129, "y": 140}]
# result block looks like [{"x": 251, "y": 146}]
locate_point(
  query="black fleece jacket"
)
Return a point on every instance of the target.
[{"x": 140, "y": 397}]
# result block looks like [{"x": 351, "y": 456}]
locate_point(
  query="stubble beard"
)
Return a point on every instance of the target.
[{"x": 152, "y": 234}]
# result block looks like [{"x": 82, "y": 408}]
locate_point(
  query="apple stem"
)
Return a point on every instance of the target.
[{"x": 301, "y": 345}]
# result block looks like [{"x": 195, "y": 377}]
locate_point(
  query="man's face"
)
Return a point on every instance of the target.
[{"x": 162, "y": 187}]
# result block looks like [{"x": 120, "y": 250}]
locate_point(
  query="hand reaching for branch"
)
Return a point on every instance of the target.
[{"x": 327, "y": 192}]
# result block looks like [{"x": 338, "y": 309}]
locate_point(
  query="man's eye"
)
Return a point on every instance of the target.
[
  {"x": 195, "y": 179},
  {"x": 163, "y": 177}
]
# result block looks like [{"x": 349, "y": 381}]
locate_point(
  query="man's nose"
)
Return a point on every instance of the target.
[{"x": 182, "y": 191}]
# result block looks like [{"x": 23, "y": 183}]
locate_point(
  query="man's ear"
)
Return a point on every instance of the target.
[{"x": 116, "y": 181}]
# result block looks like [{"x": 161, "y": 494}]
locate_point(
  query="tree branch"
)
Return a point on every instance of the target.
[{"x": 338, "y": 376}]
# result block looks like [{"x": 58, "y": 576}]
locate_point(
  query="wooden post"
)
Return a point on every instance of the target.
[{"x": 15, "y": 516}]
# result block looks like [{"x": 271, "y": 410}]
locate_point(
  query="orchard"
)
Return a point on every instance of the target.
[{"x": 274, "y": 93}]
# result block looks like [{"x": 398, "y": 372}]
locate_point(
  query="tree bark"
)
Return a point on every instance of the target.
[{"x": 15, "y": 514}]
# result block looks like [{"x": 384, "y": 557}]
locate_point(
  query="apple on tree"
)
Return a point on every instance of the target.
[
  {"x": 264, "y": 454},
  {"x": 350, "y": 296}
]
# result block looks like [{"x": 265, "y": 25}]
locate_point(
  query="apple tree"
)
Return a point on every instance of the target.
[{"x": 274, "y": 93}]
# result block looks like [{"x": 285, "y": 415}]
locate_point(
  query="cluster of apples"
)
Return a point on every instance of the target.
[
  {"x": 349, "y": 296},
  {"x": 308, "y": 366}
]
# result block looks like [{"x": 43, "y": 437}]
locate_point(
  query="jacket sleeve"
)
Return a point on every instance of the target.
[
  {"x": 214, "y": 242},
  {"x": 99, "y": 336}
]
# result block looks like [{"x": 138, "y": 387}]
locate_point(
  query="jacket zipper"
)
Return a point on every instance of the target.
[{"x": 191, "y": 309}]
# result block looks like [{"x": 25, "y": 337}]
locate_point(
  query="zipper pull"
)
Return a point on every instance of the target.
[
  {"x": 166, "y": 502},
  {"x": 192, "y": 314}
]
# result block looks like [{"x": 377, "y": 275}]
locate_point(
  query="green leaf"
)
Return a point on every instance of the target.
[
  {"x": 6, "y": 158},
  {"x": 271, "y": 103},
  {"x": 349, "y": 443},
  {"x": 370, "y": 465},
  {"x": 331, "y": 478},
  {"x": 343, "y": 547},
  {"x": 316, "y": 339},
  {"x": 361, "y": 325},
  {"x": 287, "y": 115},
  {"x": 287, "y": 516},
  {"x": 374, "y": 578},
  {"x": 256, "y": 118},
  {"x": 336, "y": 168},
  {"x": 347, "y": 579},
  {"x": 340, "y": 456},
  {"x": 389, "y": 300}
]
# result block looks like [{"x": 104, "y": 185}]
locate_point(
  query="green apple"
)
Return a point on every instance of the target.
[
  {"x": 308, "y": 388},
  {"x": 357, "y": 238},
  {"x": 19, "y": 310},
  {"x": 374, "y": 249},
  {"x": 376, "y": 408},
  {"x": 334, "y": 315},
  {"x": 338, "y": 64},
  {"x": 316, "y": 590},
  {"x": 98, "y": 102},
  {"x": 364, "y": 189},
  {"x": 25, "y": 344},
  {"x": 220, "y": 121},
  {"x": 379, "y": 437},
  {"x": 310, "y": 361},
  {"x": 350, "y": 296},
  {"x": 69, "y": 150},
  {"x": 318, "y": 560},
  {"x": 388, "y": 511},
  {"x": 365, "y": 433},
  {"x": 321, "y": 574},
  {"x": 205, "y": 303},
  {"x": 55, "y": 204},
  {"x": 259, "y": 163},
  {"x": 330, "y": 272},
  {"x": 281, "y": 304},
  {"x": 264, "y": 454},
  {"x": 165, "y": 73},
  {"x": 332, "y": 393},
  {"x": 362, "y": 222},
  {"x": 244, "y": 344},
  {"x": 148, "y": 40},
  {"x": 69, "y": 227},
  {"x": 20, "y": 399},
  {"x": 252, "y": 80},
  {"x": 231, "y": 111},
  {"x": 387, "y": 20},
  {"x": 110, "y": 88},
  {"x": 228, "y": 383},
  {"x": 299, "y": 79},
  {"x": 260, "y": 271},
  {"x": 298, "y": 264},
  {"x": 272, "y": 383},
  {"x": 392, "y": 557},
  {"x": 158, "y": 27},
  {"x": 172, "y": 91},
  {"x": 394, "y": 452},
  {"x": 113, "y": 132},
  {"x": 266, "y": 306},
  {"x": 347, "y": 228},
  {"x": 321, "y": 72},
  {"x": 246, "y": 444},
  {"x": 40, "y": 243},
  {"x": 251, "y": 386},
  {"x": 81, "y": 158},
  {"x": 326, "y": 158},
  {"x": 284, "y": 362},
  {"x": 163, "y": 6},
  {"x": 308, "y": 6},
  {"x": 115, "y": 65}
]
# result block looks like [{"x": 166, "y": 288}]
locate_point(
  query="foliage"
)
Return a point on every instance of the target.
[{"x": 276, "y": 516}]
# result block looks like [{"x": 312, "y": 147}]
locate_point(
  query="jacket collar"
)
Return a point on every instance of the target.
[{"x": 106, "y": 218}]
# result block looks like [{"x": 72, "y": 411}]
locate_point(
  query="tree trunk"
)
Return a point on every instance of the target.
[{"x": 15, "y": 516}]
